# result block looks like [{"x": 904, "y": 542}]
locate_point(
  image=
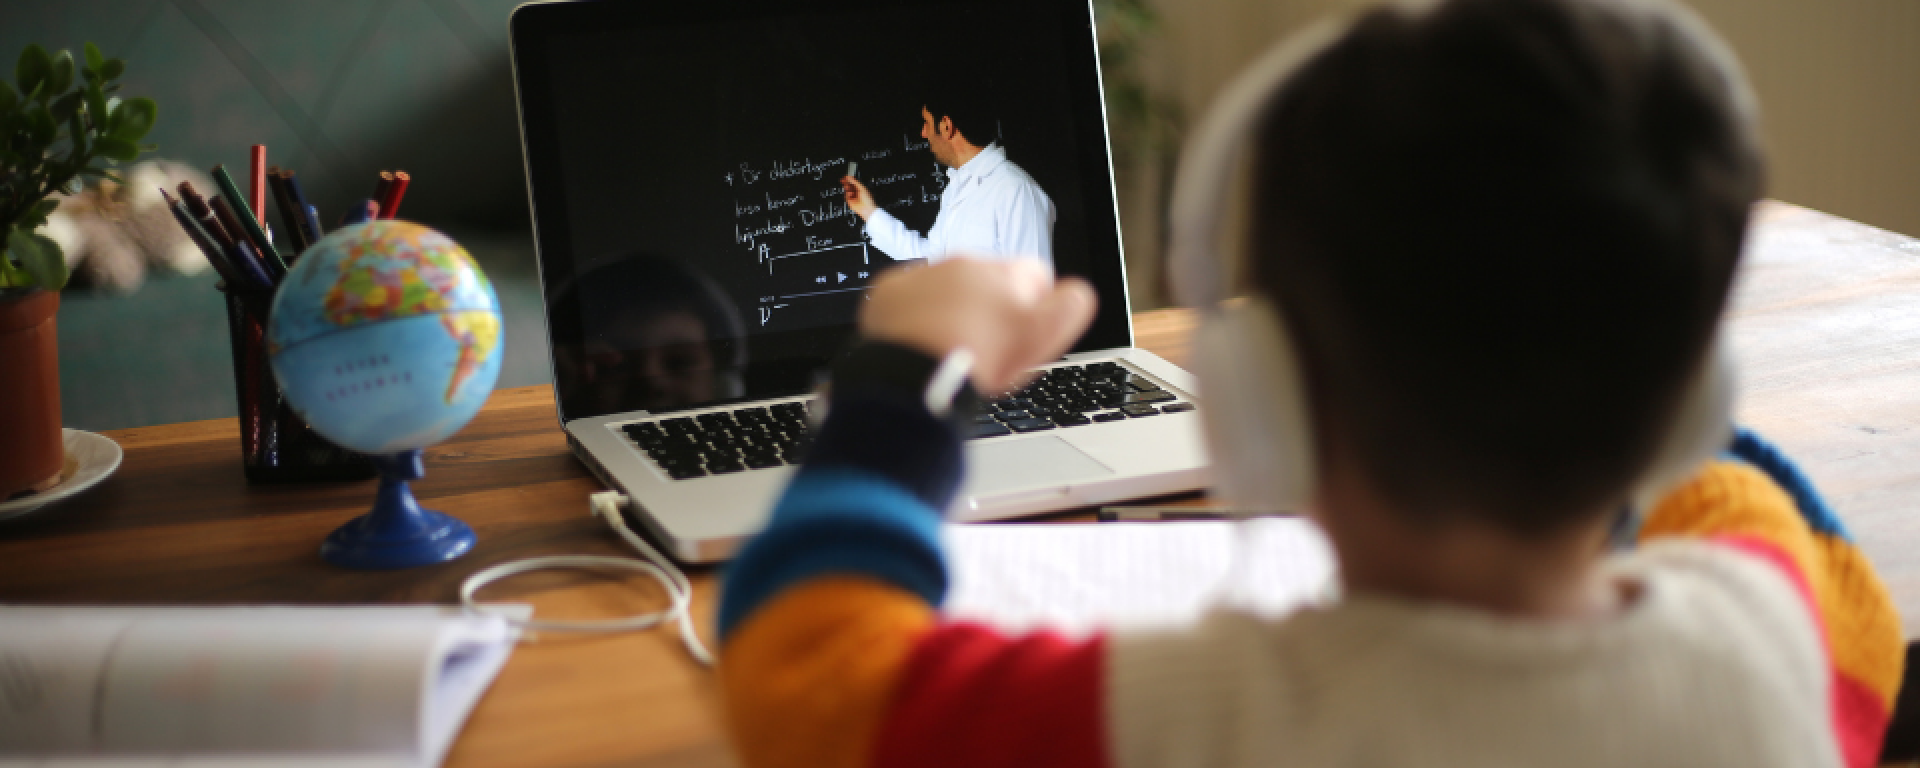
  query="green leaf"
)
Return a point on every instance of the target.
[
  {"x": 40, "y": 257},
  {"x": 41, "y": 124},
  {"x": 45, "y": 208},
  {"x": 94, "y": 59},
  {"x": 61, "y": 75},
  {"x": 8, "y": 97},
  {"x": 113, "y": 69},
  {"x": 66, "y": 106},
  {"x": 96, "y": 108},
  {"x": 134, "y": 118},
  {"x": 117, "y": 148},
  {"x": 32, "y": 67},
  {"x": 77, "y": 132}
]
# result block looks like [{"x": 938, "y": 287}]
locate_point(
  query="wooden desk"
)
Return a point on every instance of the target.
[{"x": 1827, "y": 326}]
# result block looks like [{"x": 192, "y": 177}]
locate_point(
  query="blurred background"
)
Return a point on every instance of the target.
[{"x": 343, "y": 89}]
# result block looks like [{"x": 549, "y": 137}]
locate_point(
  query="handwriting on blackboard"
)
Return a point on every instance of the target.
[{"x": 791, "y": 214}]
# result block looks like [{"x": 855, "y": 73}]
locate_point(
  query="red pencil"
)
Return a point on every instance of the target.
[
  {"x": 257, "y": 185},
  {"x": 391, "y": 205},
  {"x": 382, "y": 187}
]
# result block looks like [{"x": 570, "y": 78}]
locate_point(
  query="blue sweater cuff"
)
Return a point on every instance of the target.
[
  {"x": 844, "y": 521},
  {"x": 1749, "y": 447}
]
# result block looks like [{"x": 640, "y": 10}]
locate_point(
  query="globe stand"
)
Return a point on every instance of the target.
[{"x": 398, "y": 533}]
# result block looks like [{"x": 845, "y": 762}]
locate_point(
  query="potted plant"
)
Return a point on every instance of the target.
[{"x": 56, "y": 131}]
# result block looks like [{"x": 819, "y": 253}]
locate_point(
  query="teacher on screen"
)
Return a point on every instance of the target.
[{"x": 990, "y": 208}]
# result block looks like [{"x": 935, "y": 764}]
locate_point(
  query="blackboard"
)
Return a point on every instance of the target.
[{"x": 731, "y": 160}]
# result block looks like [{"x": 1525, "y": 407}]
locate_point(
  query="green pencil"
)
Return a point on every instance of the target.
[{"x": 248, "y": 220}]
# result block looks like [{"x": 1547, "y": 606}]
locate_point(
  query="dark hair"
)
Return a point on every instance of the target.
[
  {"x": 1502, "y": 232},
  {"x": 965, "y": 95}
]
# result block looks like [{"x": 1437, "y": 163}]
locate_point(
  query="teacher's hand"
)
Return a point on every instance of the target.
[
  {"x": 859, "y": 200},
  {"x": 1011, "y": 315}
]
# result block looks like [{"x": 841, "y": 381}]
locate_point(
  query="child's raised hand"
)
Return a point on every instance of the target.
[{"x": 1012, "y": 315}]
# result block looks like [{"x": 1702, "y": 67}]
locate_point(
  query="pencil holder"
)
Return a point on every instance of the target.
[{"x": 275, "y": 443}]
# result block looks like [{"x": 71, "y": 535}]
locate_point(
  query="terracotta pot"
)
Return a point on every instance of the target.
[{"x": 30, "y": 445}]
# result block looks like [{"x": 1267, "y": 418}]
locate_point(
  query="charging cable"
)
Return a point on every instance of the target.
[{"x": 606, "y": 505}]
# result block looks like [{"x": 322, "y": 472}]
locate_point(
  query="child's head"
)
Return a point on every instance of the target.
[{"x": 1502, "y": 232}]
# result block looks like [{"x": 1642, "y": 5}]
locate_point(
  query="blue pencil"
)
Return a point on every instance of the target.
[
  {"x": 248, "y": 259},
  {"x": 313, "y": 232},
  {"x": 313, "y": 221}
]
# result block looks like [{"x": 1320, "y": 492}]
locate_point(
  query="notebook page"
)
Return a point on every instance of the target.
[{"x": 1077, "y": 577}]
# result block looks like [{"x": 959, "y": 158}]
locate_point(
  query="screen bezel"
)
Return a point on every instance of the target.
[{"x": 532, "y": 25}]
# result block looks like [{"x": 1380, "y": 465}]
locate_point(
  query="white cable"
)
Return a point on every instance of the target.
[{"x": 605, "y": 504}]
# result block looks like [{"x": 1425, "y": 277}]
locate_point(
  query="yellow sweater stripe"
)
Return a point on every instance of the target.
[
  {"x": 808, "y": 676},
  {"x": 1863, "y": 631}
]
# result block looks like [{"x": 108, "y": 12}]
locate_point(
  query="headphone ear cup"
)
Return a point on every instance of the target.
[
  {"x": 1259, "y": 430},
  {"x": 1701, "y": 429}
]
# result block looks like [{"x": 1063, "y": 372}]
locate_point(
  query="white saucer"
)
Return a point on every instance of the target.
[{"x": 90, "y": 458}]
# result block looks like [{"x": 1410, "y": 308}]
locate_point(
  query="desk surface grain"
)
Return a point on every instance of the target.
[{"x": 1825, "y": 325}]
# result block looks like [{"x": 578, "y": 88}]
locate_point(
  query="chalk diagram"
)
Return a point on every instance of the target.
[{"x": 808, "y": 277}]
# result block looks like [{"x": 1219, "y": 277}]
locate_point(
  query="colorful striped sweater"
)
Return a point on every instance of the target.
[{"x": 1761, "y": 637}]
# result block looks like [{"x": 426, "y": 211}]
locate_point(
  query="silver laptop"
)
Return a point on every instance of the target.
[{"x": 701, "y": 266}]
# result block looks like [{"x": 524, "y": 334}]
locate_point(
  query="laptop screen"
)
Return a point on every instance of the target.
[{"x": 698, "y": 244}]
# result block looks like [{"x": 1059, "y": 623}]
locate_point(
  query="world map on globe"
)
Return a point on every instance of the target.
[{"x": 385, "y": 336}]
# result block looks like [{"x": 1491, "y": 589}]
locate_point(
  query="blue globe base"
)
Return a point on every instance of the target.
[{"x": 398, "y": 533}]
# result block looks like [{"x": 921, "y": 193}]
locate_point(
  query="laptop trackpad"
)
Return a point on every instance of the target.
[{"x": 1039, "y": 462}]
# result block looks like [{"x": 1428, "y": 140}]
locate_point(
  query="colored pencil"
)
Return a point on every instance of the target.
[
  {"x": 382, "y": 187},
  {"x": 311, "y": 230},
  {"x": 254, "y": 232},
  {"x": 363, "y": 211},
  {"x": 201, "y": 239},
  {"x": 390, "y": 207},
  {"x": 203, "y": 213},
  {"x": 290, "y": 215},
  {"x": 313, "y": 221},
  {"x": 257, "y": 183},
  {"x": 249, "y": 260},
  {"x": 230, "y": 218}
]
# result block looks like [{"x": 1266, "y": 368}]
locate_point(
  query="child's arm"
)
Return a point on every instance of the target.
[
  {"x": 831, "y": 654},
  {"x": 1759, "y": 502}
]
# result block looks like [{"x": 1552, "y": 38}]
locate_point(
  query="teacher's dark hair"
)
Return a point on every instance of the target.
[{"x": 1502, "y": 232}]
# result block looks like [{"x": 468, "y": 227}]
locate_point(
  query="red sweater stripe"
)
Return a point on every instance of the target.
[{"x": 970, "y": 696}]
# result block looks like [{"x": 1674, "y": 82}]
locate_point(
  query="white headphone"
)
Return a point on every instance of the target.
[{"x": 1259, "y": 427}]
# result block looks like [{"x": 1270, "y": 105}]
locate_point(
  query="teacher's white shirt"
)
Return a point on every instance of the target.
[{"x": 990, "y": 209}]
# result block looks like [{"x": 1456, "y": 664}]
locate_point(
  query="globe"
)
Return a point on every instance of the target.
[{"x": 385, "y": 336}]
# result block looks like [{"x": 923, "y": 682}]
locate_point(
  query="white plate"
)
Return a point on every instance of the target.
[{"x": 90, "y": 458}]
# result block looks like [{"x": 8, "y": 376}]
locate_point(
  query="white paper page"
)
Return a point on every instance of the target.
[
  {"x": 1078, "y": 577},
  {"x": 50, "y": 666},
  {"x": 260, "y": 685},
  {"x": 467, "y": 658}
]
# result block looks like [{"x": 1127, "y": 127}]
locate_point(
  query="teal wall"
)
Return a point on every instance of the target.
[{"x": 337, "y": 90}]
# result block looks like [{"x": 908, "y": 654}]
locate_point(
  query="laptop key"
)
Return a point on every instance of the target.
[
  {"x": 1012, "y": 415},
  {"x": 686, "y": 472},
  {"x": 1150, "y": 397},
  {"x": 994, "y": 429},
  {"x": 1176, "y": 408},
  {"x": 1110, "y": 416},
  {"x": 1030, "y": 425},
  {"x": 1138, "y": 410},
  {"x": 1071, "y": 420}
]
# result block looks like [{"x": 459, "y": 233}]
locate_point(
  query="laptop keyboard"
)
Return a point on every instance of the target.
[{"x": 763, "y": 437}]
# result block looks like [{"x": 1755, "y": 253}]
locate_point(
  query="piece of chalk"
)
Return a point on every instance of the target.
[{"x": 853, "y": 169}]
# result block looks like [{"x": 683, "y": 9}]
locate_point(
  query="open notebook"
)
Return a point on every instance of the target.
[
  {"x": 1076, "y": 577},
  {"x": 267, "y": 686}
]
